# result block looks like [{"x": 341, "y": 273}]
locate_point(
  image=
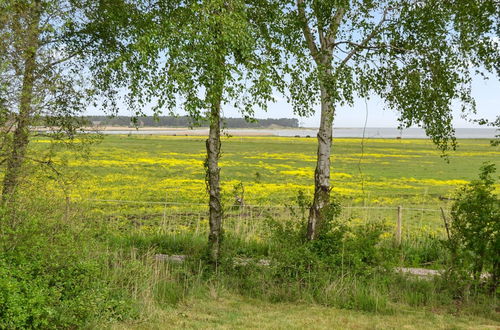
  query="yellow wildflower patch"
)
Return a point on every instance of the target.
[
  {"x": 376, "y": 155},
  {"x": 283, "y": 156},
  {"x": 434, "y": 182}
]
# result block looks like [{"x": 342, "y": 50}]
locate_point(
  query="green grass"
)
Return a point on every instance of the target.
[
  {"x": 228, "y": 311},
  {"x": 273, "y": 169},
  {"x": 159, "y": 169}
]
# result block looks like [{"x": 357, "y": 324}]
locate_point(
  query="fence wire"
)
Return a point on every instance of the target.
[{"x": 251, "y": 221}]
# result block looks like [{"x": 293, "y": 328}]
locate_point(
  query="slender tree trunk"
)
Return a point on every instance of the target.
[
  {"x": 21, "y": 133},
  {"x": 213, "y": 145},
  {"x": 322, "y": 172},
  {"x": 323, "y": 56}
]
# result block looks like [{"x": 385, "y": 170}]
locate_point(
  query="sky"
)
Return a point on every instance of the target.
[{"x": 485, "y": 92}]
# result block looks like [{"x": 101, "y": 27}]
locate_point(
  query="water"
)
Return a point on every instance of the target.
[{"x": 370, "y": 132}]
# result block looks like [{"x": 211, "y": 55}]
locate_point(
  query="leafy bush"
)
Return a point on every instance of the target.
[
  {"x": 475, "y": 230},
  {"x": 340, "y": 246},
  {"x": 52, "y": 277}
]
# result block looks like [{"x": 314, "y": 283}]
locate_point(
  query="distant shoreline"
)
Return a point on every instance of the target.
[
  {"x": 155, "y": 128},
  {"x": 340, "y": 132}
]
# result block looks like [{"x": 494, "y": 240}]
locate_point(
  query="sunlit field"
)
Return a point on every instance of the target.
[
  {"x": 273, "y": 169},
  {"x": 125, "y": 204},
  {"x": 159, "y": 181}
]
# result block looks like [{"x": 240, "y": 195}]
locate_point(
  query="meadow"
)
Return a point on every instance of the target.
[
  {"x": 86, "y": 247},
  {"x": 160, "y": 180},
  {"x": 273, "y": 169}
]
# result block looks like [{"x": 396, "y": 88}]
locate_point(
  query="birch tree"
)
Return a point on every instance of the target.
[
  {"x": 195, "y": 55},
  {"x": 418, "y": 56},
  {"x": 39, "y": 80}
]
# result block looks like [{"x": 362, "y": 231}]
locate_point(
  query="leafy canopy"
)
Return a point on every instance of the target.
[
  {"x": 418, "y": 56},
  {"x": 168, "y": 54}
]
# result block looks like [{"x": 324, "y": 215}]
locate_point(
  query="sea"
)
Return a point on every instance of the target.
[{"x": 340, "y": 132}]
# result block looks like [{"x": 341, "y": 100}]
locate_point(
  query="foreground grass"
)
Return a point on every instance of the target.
[
  {"x": 235, "y": 312},
  {"x": 79, "y": 272}
]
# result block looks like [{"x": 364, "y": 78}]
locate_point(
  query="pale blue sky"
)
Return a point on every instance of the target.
[{"x": 486, "y": 93}]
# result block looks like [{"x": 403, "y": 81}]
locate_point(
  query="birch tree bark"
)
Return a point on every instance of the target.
[
  {"x": 322, "y": 55},
  {"x": 322, "y": 173},
  {"x": 20, "y": 138},
  {"x": 213, "y": 145}
]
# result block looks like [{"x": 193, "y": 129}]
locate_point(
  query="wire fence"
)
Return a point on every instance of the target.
[{"x": 251, "y": 221}]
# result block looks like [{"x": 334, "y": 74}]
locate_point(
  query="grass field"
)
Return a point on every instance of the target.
[
  {"x": 236, "y": 312},
  {"x": 273, "y": 169},
  {"x": 374, "y": 173},
  {"x": 135, "y": 199}
]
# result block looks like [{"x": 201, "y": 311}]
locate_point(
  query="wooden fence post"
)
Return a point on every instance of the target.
[
  {"x": 446, "y": 226},
  {"x": 399, "y": 227}
]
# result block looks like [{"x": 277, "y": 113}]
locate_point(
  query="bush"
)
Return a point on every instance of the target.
[
  {"x": 475, "y": 231},
  {"x": 52, "y": 277},
  {"x": 308, "y": 270},
  {"x": 340, "y": 247}
]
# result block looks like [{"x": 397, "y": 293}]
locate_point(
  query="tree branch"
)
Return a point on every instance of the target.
[
  {"x": 334, "y": 27},
  {"x": 8, "y": 128},
  {"x": 365, "y": 41},
  {"x": 322, "y": 38},
  {"x": 307, "y": 30},
  {"x": 59, "y": 61},
  {"x": 370, "y": 47},
  {"x": 47, "y": 163}
]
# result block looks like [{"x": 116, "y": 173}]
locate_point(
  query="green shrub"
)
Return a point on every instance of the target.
[
  {"x": 307, "y": 270},
  {"x": 51, "y": 276},
  {"x": 475, "y": 231},
  {"x": 340, "y": 247}
]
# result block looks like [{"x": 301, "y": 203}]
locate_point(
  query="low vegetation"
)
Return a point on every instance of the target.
[{"x": 66, "y": 265}]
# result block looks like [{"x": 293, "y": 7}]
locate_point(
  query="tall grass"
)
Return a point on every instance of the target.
[{"x": 73, "y": 269}]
